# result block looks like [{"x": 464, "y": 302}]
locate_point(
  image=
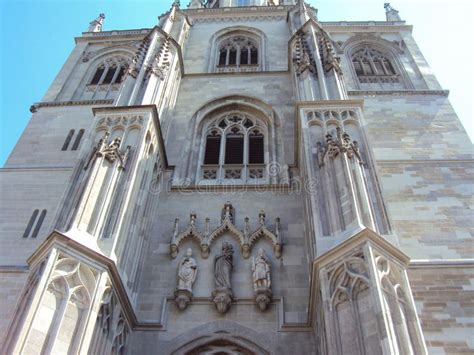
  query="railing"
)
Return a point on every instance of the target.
[
  {"x": 102, "y": 87},
  {"x": 379, "y": 79},
  {"x": 238, "y": 68},
  {"x": 238, "y": 173}
]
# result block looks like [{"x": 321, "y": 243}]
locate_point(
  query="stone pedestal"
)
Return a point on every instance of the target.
[
  {"x": 263, "y": 297},
  {"x": 182, "y": 298},
  {"x": 222, "y": 298}
]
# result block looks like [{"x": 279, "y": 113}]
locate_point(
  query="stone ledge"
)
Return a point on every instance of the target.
[
  {"x": 34, "y": 108},
  {"x": 441, "y": 263},
  {"x": 397, "y": 92}
]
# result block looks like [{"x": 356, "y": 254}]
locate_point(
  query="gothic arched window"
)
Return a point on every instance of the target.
[
  {"x": 111, "y": 71},
  {"x": 238, "y": 53},
  {"x": 234, "y": 148},
  {"x": 373, "y": 66}
]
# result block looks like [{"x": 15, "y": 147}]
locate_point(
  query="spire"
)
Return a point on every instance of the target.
[
  {"x": 304, "y": 14},
  {"x": 391, "y": 13},
  {"x": 96, "y": 25}
]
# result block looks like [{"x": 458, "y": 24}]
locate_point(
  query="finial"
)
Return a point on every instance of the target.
[
  {"x": 278, "y": 229},
  {"x": 391, "y": 13},
  {"x": 177, "y": 3},
  {"x": 207, "y": 230},
  {"x": 247, "y": 227},
  {"x": 192, "y": 219},
  {"x": 96, "y": 25},
  {"x": 175, "y": 230},
  {"x": 261, "y": 217},
  {"x": 196, "y": 4}
]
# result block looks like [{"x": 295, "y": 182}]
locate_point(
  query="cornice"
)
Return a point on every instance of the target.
[
  {"x": 34, "y": 108},
  {"x": 441, "y": 263},
  {"x": 398, "y": 92},
  {"x": 239, "y": 74},
  {"x": 115, "y": 35},
  {"x": 423, "y": 161},
  {"x": 228, "y": 14},
  {"x": 14, "y": 269},
  {"x": 364, "y": 26},
  {"x": 17, "y": 169},
  {"x": 330, "y": 104},
  {"x": 233, "y": 188}
]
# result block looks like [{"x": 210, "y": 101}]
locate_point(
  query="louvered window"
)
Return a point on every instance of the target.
[
  {"x": 234, "y": 149},
  {"x": 256, "y": 149},
  {"x": 213, "y": 148},
  {"x": 109, "y": 76},
  {"x": 97, "y": 76}
]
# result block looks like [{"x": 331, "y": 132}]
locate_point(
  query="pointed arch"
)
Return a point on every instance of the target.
[
  {"x": 222, "y": 334},
  {"x": 241, "y": 38},
  {"x": 376, "y": 63},
  {"x": 210, "y": 116}
]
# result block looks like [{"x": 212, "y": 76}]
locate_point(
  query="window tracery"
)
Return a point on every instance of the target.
[
  {"x": 373, "y": 66},
  {"x": 234, "y": 148},
  {"x": 238, "y": 53},
  {"x": 110, "y": 72}
]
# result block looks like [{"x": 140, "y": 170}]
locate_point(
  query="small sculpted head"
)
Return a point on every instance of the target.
[{"x": 189, "y": 252}]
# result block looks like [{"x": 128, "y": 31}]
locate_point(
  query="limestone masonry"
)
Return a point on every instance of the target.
[{"x": 240, "y": 179}]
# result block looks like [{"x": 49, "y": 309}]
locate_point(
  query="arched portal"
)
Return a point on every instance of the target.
[{"x": 220, "y": 344}]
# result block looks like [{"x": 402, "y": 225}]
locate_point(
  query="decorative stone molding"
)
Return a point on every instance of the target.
[
  {"x": 340, "y": 144},
  {"x": 398, "y": 92},
  {"x": 303, "y": 58},
  {"x": 245, "y": 238},
  {"x": 34, "y": 108}
]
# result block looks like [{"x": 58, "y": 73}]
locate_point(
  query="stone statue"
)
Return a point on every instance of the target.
[
  {"x": 223, "y": 264},
  {"x": 187, "y": 272},
  {"x": 261, "y": 269},
  {"x": 96, "y": 25}
]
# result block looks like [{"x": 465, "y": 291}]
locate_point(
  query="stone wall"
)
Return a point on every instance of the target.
[
  {"x": 12, "y": 281},
  {"x": 444, "y": 297}
]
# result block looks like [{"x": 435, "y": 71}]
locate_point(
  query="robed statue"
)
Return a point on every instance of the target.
[
  {"x": 187, "y": 272},
  {"x": 223, "y": 265}
]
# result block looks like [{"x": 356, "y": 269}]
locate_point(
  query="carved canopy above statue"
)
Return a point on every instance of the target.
[{"x": 245, "y": 238}]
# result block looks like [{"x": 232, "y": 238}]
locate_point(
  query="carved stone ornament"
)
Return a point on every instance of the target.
[
  {"x": 341, "y": 144},
  {"x": 187, "y": 273},
  {"x": 303, "y": 59},
  {"x": 110, "y": 152},
  {"x": 222, "y": 296},
  {"x": 261, "y": 274},
  {"x": 245, "y": 238},
  {"x": 329, "y": 56}
]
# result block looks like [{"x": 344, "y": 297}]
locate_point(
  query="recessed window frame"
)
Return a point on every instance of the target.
[{"x": 232, "y": 126}]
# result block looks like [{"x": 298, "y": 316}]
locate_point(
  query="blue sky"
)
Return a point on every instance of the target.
[{"x": 36, "y": 37}]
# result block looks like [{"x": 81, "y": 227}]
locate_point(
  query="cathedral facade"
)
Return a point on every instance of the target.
[{"x": 242, "y": 178}]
